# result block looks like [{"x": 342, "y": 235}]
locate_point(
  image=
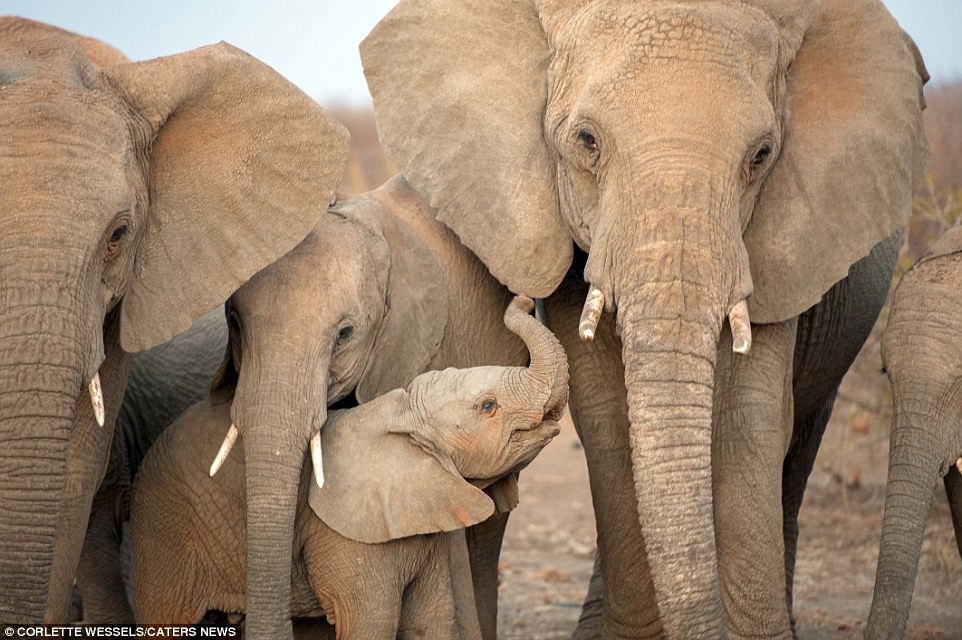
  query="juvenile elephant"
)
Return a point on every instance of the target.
[
  {"x": 922, "y": 354},
  {"x": 377, "y": 293},
  {"x": 398, "y": 469},
  {"x": 136, "y": 197},
  {"x": 703, "y": 166}
]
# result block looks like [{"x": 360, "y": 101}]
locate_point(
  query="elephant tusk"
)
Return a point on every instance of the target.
[
  {"x": 958, "y": 465},
  {"x": 317, "y": 460},
  {"x": 741, "y": 328},
  {"x": 591, "y": 314},
  {"x": 97, "y": 399},
  {"x": 224, "y": 451}
]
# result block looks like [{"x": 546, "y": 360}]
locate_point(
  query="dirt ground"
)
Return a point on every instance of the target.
[{"x": 549, "y": 545}]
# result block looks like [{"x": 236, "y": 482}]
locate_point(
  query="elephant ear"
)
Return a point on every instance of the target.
[
  {"x": 853, "y": 154},
  {"x": 417, "y": 296},
  {"x": 459, "y": 92},
  {"x": 241, "y": 167},
  {"x": 381, "y": 485}
]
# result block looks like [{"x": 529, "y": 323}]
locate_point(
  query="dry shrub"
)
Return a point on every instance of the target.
[{"x": 367, "y": 166}]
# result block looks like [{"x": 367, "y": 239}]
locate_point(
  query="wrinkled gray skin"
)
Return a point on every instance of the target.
[
  {"x": 366, "y": 551},
  {"x": 377, "y": 293},
  {"x": 95, "y": 265},
  {"x": 163, "y": 383},
  {"x": 922, "y": 353},
  {"x": 695, "y": 154}
]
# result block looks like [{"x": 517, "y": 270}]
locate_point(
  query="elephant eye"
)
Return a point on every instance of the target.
[
  {"x": 488, "y": 407},
  {"x": 233, "y": 321},
  {"x": 761, "y": 156},
  {"x": 587, "y": 140},
  {"x": 344, "y": 335},
  {"x": 114, "y": 242}
]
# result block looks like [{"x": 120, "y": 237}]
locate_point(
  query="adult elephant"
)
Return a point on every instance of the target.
[
  {"x": 136, "y": 197},
  {"x": 922, "y": 354},
  {"x": 701, "y": 156}
]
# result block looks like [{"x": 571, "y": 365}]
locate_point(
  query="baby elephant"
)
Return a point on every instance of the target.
[
  {"x": 922, "y": 352},
  {"x": 369, "y": 552}
]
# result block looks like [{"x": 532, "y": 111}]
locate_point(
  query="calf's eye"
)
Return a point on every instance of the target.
[{"x": 488, "y": 406}]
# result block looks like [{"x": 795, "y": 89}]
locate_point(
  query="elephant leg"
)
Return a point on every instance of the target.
[
  {"x": 484, "y": 549},
  {"x": 100, "y": 576},
  {"x": 953, "y": 491},
  {"x": 752, "y": 425},
  {"x": 599, "y": 409},
  {"x": 799, "y": 462},
  {"x": 593, "y": 609}
]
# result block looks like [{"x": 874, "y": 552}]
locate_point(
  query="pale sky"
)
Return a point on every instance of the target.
[{"x": 314, "y": 42}]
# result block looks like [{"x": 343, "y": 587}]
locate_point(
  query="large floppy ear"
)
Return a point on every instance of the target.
[
  {"x": 417, "y": 295},
  {"x": 381, "y": 485},
  {"x": 459, "y": 90},
  {"x": 241, "y": 167},
  {"x": 853, "y": 154}
]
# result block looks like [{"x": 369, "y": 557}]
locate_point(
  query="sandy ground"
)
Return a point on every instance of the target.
[{"x": 549, "y": 545}]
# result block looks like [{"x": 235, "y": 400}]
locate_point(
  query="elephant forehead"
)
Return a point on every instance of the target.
[{"x": 617, "y": 34}]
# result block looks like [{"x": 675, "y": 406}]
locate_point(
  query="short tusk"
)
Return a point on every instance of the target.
[
  {"x": 224, "y": 451},
  {"x": 97, "y": 399},
  {"x": 317, "y": 460},
  {"x": 741, "y": 328},
  {"x": 591, "y": 314},
  {"x": 958, "y": 465}
]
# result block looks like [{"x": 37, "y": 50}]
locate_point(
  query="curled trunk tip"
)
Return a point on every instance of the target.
[{"x": 548, "y": 362}]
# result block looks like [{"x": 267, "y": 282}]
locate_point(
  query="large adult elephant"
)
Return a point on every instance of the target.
[
  {"x": 700, "y": 156},
  {"x": 136, "y": 197}
]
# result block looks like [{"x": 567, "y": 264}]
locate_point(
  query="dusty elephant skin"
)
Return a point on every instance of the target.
[
  {"x": 124, "y": 184},
  {"x": 377, "y": 293},
  {"x": 365, "y": 550},
  {"x": 922, "y": 354},
  {"x": 698, "y": 156}
]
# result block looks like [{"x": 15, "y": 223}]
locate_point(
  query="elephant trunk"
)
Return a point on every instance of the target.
[
  {"x": 914, "y": 467},
  {"x": 42, "y": 379},
  {"x": 277, "y": 414},
  {"x": 549, "y": 366},
  {"x": 672, "y": 295}
]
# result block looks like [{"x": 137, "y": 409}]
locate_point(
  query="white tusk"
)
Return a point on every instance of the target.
[
  {"x": 591, "y": 314},
  {"x": 958, "y": 465},
  {"x": 317, "y": 460},
  {"x": 741, "y": 328},
  {"x": 97, "y": 399},
  {"x": 224, "y": 451}
]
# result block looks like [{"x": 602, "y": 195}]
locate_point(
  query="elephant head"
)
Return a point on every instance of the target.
[
  {"x": 414, "y": 460},
  {"x": 358, "y": 307},
  {"x": 702, "y": 154},
  {"x": 136, "y": 197}
]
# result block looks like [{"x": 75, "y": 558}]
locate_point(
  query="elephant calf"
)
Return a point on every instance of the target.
[
  {"x": 922, "y": 352},
  {"x": 370, "y": 549}
]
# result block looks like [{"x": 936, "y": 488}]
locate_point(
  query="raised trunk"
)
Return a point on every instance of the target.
[{"x": 914, "y": 467}]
